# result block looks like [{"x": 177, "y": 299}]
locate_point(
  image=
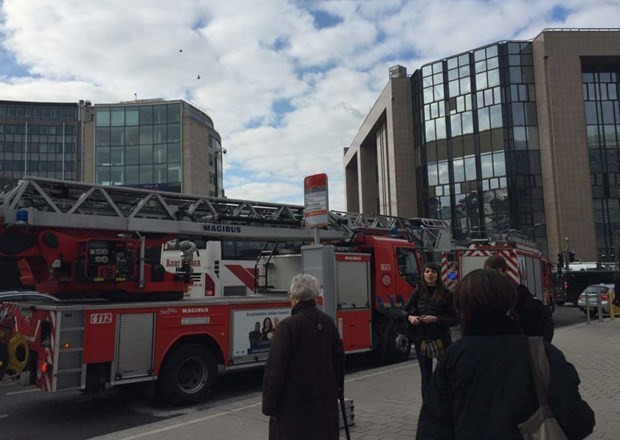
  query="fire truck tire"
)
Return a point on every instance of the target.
[
  {"x": 398, "y": 344},
  {"x": 187, "y": 375},
  {"x": 18, "y": 353}
]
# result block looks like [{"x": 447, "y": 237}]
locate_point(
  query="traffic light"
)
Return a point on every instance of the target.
[
  {"x": 560, "y": 259},
  {"x": 571, "y": 256}
]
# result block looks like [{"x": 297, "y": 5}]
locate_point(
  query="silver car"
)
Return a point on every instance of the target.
[
  {"x": 26, "y": 296},
  {"x": 593, "y": 291}
]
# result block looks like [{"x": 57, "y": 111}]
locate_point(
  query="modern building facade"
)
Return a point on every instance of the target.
[
  {"x": 157, "y": 144},
  {"x": 39, "y": 139},
  {"x": 513, "y": 136},
  {"x": 166, "y": 145}
]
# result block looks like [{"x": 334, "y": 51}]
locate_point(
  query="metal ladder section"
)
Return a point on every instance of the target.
[
  {"x": 431, "y": 233},
  {"x": 261, "y": 267},
  {"x": 69, "y": 350},
  {"x": 65, "y": 204}
]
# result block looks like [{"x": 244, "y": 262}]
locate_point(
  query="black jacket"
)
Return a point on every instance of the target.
[
  {"x": 303, "y": 372},
  {"x": 535, "y": 319},
  {"x": 419, "y": 305},
  {"x": 482, "y": 388}
]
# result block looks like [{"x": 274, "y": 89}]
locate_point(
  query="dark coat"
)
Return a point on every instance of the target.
[
  {"x": 535, "y": 319},
  {"x": 419, "y": 305},
  {"x": 482, "y": 388},
  {"x": 303, "y": 372}
]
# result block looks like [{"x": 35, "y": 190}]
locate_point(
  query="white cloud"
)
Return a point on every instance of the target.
[{"x": 252, "y": 58}]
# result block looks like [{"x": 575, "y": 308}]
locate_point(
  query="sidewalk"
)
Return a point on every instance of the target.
[{"x": 387, "y": 400}]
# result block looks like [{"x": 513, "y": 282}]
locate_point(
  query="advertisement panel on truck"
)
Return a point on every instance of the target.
[{"x": 252, "y": 332}]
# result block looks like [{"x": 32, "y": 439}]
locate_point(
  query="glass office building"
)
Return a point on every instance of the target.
[
  {"x": 157, "y": 144},
  {"x": 39, "y": 139},
  {"x": 479, "y": 132},
  {"x": 138, "y": 145},
  {"x": 512, "y": 137}
]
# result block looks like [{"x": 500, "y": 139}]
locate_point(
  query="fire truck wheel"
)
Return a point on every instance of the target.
[
  {"x": 187, "y": 375},
  {"x": 18, "y": 353},
  {"x": 398, "y": 346}
]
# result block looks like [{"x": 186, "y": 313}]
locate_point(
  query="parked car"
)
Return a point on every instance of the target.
[
  {"x": 573, "y": 283},
  {"x": 593, "y": 292},
  {"x": 26, "y": 296}
]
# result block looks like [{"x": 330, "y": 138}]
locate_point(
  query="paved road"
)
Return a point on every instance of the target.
[
  {"x": 387, "y": 400},
  {"x": 126, "y": 412}
]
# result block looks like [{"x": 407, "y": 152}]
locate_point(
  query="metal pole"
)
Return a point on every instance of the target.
[
  {"x": 599, "y": 307},
  {"x": 567, "y": 254},
  {"x": 26, "y": 150},
  {"x": 63, "y": 151},
  {"x": 344, "y": 416},
  {"x": 215, "y": 156},
  {"x": 615, "y": 249},
  {"x": 140, "y": 280},
  {"x": 587, "y": 308},
  {"x": 82, "y": 147}
]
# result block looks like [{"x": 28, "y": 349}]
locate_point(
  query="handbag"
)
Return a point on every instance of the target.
[
  {"x": 431, "y": 348},
  {"x": 542, "y": 425}
]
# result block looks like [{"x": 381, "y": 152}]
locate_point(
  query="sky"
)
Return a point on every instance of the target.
[{"x": 287, "y": 83}]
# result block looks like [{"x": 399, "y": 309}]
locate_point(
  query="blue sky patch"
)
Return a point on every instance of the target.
[
  {"x": 559, "y": 13},
  {"x": 200, "y": 23},
  {"x": 280, "y": 43},
  {"x": 9, "y": 66},
  {"x": 282, "y": 106},
  {"x": 254, "y": 122},
  {"x": 324, "y": 19}
]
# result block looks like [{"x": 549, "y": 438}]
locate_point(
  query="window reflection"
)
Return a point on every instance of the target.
[
  {"x": 140, "y": 136},
  {"x": 432, "y": 175},
  {"x": 443, "y": 172}
]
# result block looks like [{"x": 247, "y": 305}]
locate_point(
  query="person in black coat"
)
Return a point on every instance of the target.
[
  {"x": 534, "y": 318},
  {"x": 616, "y": 301},
  {"x": 255, "y": 336},
  {"x": 304, "y": 373},
  {"x": 482, "y": 387},
  {"x": 430, "y": 314}
]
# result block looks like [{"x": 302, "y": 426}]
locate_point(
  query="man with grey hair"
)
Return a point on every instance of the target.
[{"x": 304, "y": 373}]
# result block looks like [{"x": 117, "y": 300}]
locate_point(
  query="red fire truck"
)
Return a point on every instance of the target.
[
  {"x": 526, "y": 265},
  {"x": 123, "y": 319}
]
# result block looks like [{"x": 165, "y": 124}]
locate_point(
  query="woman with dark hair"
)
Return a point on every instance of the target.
[
  {"x": 431, "y": 314},
  {"x": 483, "y": 386},
  {"x": 267, "y": 330}
]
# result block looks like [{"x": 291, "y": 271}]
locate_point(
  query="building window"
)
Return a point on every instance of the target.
[
  {"x": 601, "y": 106},
  {"x": 139, "y": 145}
]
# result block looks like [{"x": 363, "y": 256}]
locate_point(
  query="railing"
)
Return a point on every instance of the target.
[{"x": 581, "y": 29}]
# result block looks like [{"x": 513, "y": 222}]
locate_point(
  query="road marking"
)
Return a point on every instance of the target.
[
  {"x": 23, "y": 392},
  {"x": 191, "y": 422},
  {"x": 569, "y": 327},
  {"x": 225, "y": 413}
]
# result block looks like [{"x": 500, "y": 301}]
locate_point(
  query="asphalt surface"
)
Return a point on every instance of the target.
[{"x": 387, "y": 399}]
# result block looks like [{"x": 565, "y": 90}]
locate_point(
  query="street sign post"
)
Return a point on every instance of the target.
[{"x": 316, "y": 203}]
